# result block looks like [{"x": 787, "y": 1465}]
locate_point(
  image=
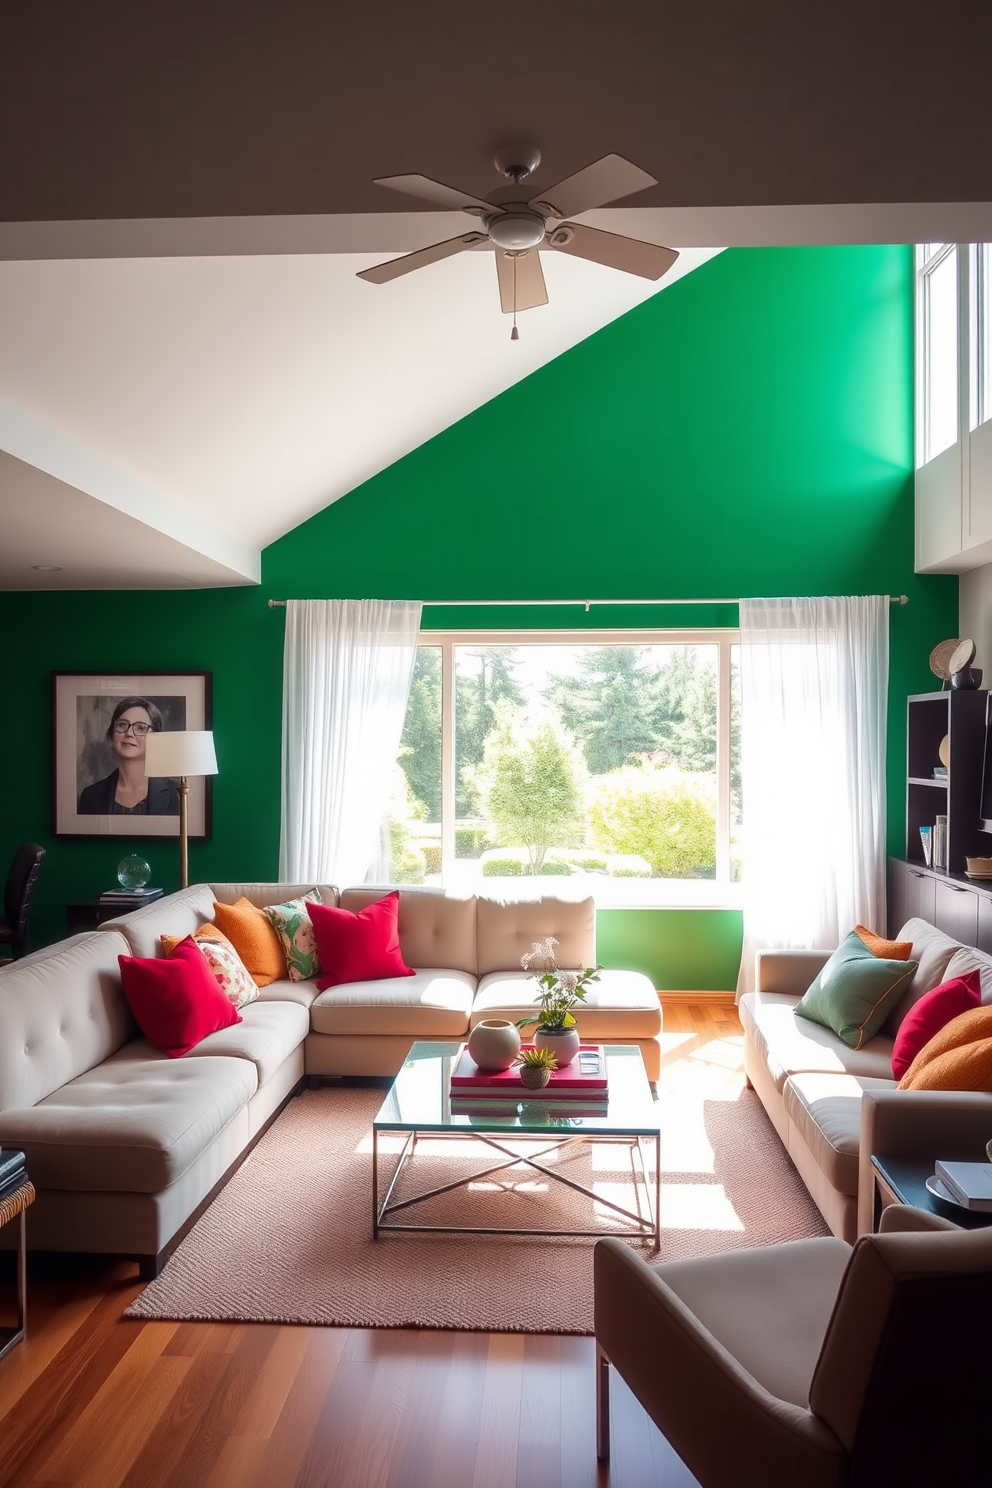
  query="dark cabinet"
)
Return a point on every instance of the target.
[
  {"x": 956, "y": 912},
  {"x": 911, "y": 894},
  {"x": 959, "y": 717}
]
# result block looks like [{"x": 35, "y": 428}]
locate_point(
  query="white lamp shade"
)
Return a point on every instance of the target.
[{"x": 181, "y": 752}]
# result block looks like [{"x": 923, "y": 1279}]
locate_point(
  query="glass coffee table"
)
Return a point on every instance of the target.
[{"x": 419, "y": 1104}]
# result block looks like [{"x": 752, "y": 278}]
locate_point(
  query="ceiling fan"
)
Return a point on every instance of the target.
[{"x": 518, "y": 230}]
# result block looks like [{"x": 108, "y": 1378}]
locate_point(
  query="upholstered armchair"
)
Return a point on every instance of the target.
[{"x": 811, "y": 1364}]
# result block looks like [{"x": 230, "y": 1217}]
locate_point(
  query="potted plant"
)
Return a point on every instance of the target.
[
  {"x": 560, "y": 991},
  {"x": 536, "y": 1066}
]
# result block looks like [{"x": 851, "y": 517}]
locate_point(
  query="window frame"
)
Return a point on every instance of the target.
[{"x": 710, "y": 893}]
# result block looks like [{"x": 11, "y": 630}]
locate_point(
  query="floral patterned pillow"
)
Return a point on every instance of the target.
[
  {"x": 294, "y": 928},
  {"x": 233, "y": 976}
]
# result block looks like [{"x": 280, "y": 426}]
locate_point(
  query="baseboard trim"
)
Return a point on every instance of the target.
[{"x": 714, "y": 998}]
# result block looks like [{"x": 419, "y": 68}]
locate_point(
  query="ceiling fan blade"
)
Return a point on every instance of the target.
[
  {"x": 604, "y": 181},
  {"x": 440, "y": 195},
  {"x": 531, "y": 289},
  {"x": 632, "y": 255},
  {"x": 394, "y": 267}
]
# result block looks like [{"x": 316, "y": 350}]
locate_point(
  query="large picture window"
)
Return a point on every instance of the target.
[{"x": 607, "y": 758}]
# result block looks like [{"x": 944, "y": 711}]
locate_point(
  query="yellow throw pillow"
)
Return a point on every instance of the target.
[
  {"x": 254, "y": 939},
  {"x": 958, "y": 1057}
]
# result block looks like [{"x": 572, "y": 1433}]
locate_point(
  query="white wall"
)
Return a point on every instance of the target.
[{"x": 975, "y": 615}]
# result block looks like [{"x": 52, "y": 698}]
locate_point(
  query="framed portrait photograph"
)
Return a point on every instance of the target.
[{"x": 101, "y": 722}]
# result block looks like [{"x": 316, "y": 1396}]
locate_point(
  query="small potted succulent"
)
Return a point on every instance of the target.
[
  {"x": 535, "y": 1067},
  {"x": 560, "y": 992}
]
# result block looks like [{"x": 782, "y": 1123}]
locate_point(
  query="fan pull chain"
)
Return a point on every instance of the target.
[{"x": 514, "y": 334}]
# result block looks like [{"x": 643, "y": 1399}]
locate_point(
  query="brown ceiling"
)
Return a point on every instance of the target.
[{"x": 125, "y": 108}]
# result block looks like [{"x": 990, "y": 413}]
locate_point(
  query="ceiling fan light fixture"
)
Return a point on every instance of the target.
[{"x": 516, "y": 231}]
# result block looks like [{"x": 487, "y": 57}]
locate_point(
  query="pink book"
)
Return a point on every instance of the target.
[{"x": 584, "y": 1076}]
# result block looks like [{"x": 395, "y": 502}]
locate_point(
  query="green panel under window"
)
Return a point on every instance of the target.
[{"x": 682, "y": 950}]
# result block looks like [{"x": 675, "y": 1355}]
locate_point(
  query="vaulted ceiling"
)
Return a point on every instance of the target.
[{"x": 188, "y": 365}]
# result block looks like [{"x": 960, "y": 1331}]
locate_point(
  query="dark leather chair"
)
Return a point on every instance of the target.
[{"x": 17, "y": 894}]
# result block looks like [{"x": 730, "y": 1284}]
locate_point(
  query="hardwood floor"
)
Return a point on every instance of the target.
[{"x": 91, "y": 1400}]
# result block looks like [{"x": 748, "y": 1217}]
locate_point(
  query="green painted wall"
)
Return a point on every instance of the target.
[{"x": 747, "y": 431}]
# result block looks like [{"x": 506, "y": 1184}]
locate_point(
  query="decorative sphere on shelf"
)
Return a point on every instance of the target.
[{"x": 133, "y": 873}]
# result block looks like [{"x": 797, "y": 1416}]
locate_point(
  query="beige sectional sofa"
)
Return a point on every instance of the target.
[
  {"x": 829, "y": 1103},
  {"x": 124, "y": 1144}
]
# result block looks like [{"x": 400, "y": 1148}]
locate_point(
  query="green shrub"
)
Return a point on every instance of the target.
[
  {"x": 666, "y": 815},
  {"x": 555, "y": 868},
  {"x": 409, "y": 865},
  {"x": 628, "y": 865},
  {"x": 432, "y": 856},
  {"x": 589, "y": 862},
  {"x": 503, "y": 864},
  {"x": 471, "y": 841}
]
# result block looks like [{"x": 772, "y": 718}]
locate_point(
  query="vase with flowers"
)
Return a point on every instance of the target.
[{"x": 559, "y": 992}]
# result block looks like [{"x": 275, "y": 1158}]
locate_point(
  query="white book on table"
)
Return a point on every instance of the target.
[{"x": 969, "y": 1182}]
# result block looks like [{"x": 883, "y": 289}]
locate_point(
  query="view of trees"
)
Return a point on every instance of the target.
[{"x": 616, "y": 755}]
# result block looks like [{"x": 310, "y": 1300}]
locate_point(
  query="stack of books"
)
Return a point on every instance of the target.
[
  {"x": 129, "y": 896},
  {"x": 579, "y": 1088},
  {"x": 13, "y": 1172},
  {"x": 968, "y": 1183}
]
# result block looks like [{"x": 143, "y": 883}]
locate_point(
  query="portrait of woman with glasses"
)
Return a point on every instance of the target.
[{"x": 127, "y": 790}]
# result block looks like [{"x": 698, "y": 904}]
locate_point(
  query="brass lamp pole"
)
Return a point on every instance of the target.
[{"x": 181, "y": 753}]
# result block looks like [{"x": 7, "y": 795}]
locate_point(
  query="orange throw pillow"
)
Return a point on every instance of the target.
[
  {"x": 208, "y": 931},
  {"x": 885, "y": 950},
  {"x": 255, "y": 940},
  {"x": 958, "y": 1057}
]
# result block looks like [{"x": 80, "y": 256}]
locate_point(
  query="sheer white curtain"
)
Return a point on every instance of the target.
[
  {"x": 814, "y": 676},
  {"x": 347, "y": 668}
]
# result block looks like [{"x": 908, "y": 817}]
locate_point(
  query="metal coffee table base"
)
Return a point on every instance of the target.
[{"x": 645, "y": 1229}]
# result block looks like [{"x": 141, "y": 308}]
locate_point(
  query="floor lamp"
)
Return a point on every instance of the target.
[{"x": 181, "y": 753}]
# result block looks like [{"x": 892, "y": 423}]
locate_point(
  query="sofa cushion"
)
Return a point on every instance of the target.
[
  {"x": 932, "y": 951},
  {"x": 436, "y": 928},
  {"x": 136, "y": 1123},
  {"x": 61, "y": 1012},
  {"x": 789, "y": 1045},
  {"x": 826, "y": 1112},
  {"x": 430, "y": 1004},
  {"x": 966, "y": 959},
  {"x": 958, "y": 1057},
  {"x": 231, "y": 973},
  {"x": 254, "y": 938},
  {"x": 359, "y": 947},
  {"x": 176, "y": 1000},
  {"x": 294, "y": 927},
  {"x": 509, "y": 928},
  {"x": 622, "y": 1004},
  {"x": 267, "y": 1035},
  {"x": 261, "y": 894},
  {"x": 928, "y": 1016},
  {"x": 854, "y": 991},
  {"x": 302, "y": 993},
  {"x": 177, "y": 914}
]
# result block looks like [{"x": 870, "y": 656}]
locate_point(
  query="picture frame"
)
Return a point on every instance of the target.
[{"x": 96, "y": 774}]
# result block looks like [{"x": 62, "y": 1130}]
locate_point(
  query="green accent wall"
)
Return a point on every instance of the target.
[{"x": 747, "y": 431}]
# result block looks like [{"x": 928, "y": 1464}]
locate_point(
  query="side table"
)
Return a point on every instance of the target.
[
  {"x": 14, "y": 1207},
  {"x": 86, "y": 914},
  {"x": 903, "y": 1180}
]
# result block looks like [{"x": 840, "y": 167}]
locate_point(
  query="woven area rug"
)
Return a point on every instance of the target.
[{"x": 289, "y": 1239}]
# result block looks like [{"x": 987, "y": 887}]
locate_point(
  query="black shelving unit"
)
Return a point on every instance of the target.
[{"x": 959, "y": 716}]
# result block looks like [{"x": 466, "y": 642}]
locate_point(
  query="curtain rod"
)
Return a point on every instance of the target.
[{"x": 519, "y": 604}]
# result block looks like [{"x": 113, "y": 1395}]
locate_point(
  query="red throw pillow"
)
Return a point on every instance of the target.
[
  {"x": 176, "y": 1000},
  {"x": 360, "y": 947},
  {"x": 928, "y": 1016}
]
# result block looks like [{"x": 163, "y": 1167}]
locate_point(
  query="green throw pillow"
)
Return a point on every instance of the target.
[
  {"x": 855, "y": 991},
  {"x": 294, "y": 928}
]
